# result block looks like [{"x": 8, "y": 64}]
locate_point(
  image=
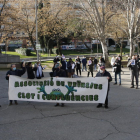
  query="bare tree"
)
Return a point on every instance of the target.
[
  {"x": 98, "y": 13},
  {"x": 129, "y": 10}
]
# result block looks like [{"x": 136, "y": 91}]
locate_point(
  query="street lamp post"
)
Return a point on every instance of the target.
[{"x": 36, "y": 7}]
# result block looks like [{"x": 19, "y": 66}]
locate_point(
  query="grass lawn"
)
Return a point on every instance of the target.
[
  {"x": 33, "y": 54},
  {"x": 71, "y": 52}
]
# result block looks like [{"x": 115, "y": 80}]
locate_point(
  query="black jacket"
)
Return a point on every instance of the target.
[
  {"x": 105, "y": 74},
  {"x": 95, "y": 61},
  {"x": 59, "y": 73},
  {"x": 84, "y": 61},
  {"x": 56, "y": 59},
  {"x": 133, "y": 67},
  {"x": 16, "y": 72},
  {"x": 78, "y": 63},
  {"x": 118, "y": 66},
  {"x": 30, "y": 72},
  {"x": 63, "y": 64}
]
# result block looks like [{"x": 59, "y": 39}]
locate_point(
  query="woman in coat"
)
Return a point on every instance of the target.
[{"x": 90, "y": 67}]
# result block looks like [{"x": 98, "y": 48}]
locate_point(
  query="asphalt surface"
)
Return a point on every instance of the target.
[{"x": 41, "y": 121}]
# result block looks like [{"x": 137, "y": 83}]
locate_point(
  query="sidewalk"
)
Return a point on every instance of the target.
[{"x": 41, "y": 121}]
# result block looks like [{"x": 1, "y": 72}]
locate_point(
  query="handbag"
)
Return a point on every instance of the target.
[{"x": 114, "y": 69}]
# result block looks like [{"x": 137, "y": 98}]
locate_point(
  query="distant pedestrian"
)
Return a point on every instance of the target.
[
  {"x": 78, "y": 65},
  {"x": 102, "y": 60},
  {"x": 133, "y": 64},
  {"x": 90, "y": 67},
  {"x": 117, "y": 68},
  {"x": 64, "y": 65},
  {"x": 14, "y": 71},
  {"x": 71, "y": 68},
  {"x": 103, "y": 73},
  {"x": 119, "y": 57},
  {"x": 84, "y": 63},
  {"x": 95, "y": 63}
]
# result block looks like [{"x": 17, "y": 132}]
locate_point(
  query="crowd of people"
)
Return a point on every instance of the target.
[{"x": 72, "y": 69}]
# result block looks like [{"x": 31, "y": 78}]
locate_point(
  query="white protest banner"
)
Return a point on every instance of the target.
[{"x": 63, "y": 90}]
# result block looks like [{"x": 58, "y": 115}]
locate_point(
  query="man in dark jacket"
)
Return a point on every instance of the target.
[
  {"x": 64, "y": 65},
  {"x": 133, "y": 64},
  {"x": 117, "y": 68},
  {"x": 84, "y": 63},
  {"x": 103, "y": 73},
  {"x": 16, "y": 72}
]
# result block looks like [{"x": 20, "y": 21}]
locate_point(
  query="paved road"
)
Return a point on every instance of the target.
[{"x": 41, "y": 121}]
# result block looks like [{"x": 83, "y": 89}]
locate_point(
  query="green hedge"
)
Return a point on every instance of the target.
[{"x": 23, "y": 51}]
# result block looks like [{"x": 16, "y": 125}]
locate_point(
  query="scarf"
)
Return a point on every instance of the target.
[{"x": 39, "y": 71}]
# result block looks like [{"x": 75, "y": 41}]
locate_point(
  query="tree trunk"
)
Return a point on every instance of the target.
[
  {"x": 32, "y": 42},
  {"x": 131, "y": 48},
  {"x": 58, "y": 46},
  {"x": 121, "y": 48},
  {"x": 105, "y": 53}
]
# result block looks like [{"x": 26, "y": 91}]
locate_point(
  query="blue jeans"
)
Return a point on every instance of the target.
[
  {"x": 84, "y": 66},
  {"x": 119, "y": 73},
  {"x": 95, "y": 66}
]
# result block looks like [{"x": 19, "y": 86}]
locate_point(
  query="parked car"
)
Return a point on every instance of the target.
[{"x": 113, "y": 46}]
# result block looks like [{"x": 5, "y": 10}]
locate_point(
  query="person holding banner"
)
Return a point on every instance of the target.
[
  {"x": 133, "y": 65},
  {"x": 30, "y": 71},
  {"x": 103, "y": 73},
  {"x": 90, "y": 67},
  {"x": 16, "y": 72}
]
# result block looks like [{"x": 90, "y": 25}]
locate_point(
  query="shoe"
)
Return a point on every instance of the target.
[
  {"x": 16, "y": 103},
  {"x": 136, "y": 87},
  {"x": 0, "y": 105},
  {"x": 62, "y": 105},
  {"x": 132, "y": 87},
  {"x": 56, "y": 104},
  {"x": 106, "y": 106},
  {"x": 115, "y": 83},
  {"x": 99, "y": 105},
  {"x": 119, "y": 84},
  {"x": 10, "y": 103}
]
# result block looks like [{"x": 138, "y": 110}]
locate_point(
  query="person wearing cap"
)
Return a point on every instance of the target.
[
  {"x": 103, "y": 73},
  {"x": 59, "y": 73},
  {"x": 30, "y": 71},
  {"x": 14, "y": 71},
  {"x": 117, "y": 68},
  {"x": 71, "y": 68}
]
